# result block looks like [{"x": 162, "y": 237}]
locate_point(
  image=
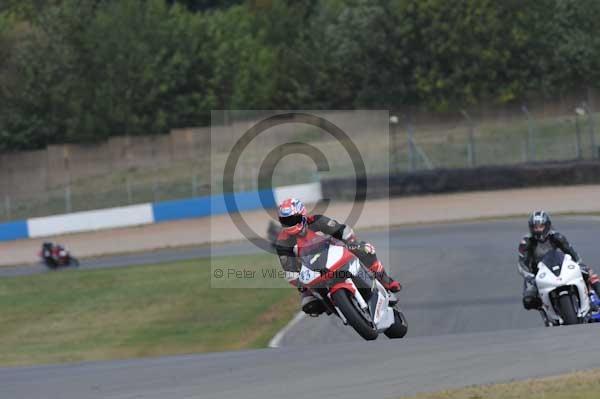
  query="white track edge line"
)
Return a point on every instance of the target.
[{"x": 276, "y": 340}]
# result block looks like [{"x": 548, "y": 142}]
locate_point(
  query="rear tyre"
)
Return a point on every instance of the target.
[
  {"x": 74, "y": 262},
  {"x": 363, "y": 327},
  {"x": 399, "y": 328},
  {"x": 567, "y": 310}
]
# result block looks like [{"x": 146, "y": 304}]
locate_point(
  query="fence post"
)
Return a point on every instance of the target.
[
  {"x": 588, "y": 110},
  {"x": 155, "y": 190},
  {"x": 471, "y": 145},
  {"x": 394, "y": 150},
  {"x": 578, "y": 112},
  {"x": 530, "y": 151},
  {"x": 68, "y": 206},
  {"x": 412, "y": 160},
  {"x": 7, "y": 206},
  {"x": 194, "y": 185},
  {"x": 129, "y": 193}
]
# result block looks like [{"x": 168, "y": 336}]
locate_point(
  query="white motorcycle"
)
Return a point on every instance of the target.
[{"x": 564, "y": 293}]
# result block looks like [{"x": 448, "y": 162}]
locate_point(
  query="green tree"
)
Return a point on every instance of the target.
[
  {"x": 242, "y": 64},
  {"x": 205, "y": 5},
  {"x": 575, "y": 33},
  {"x": 73, "y": 70},
  {"x": 149, "y": 67}
]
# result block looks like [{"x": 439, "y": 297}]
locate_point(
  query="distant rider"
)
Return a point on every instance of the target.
[
  {"x": 53, "y": 253},
  {"x": 295, "y": 222},
  {"x": 532, "y": 248}
]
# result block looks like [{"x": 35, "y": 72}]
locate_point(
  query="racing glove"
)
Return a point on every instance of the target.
[{"x": 361, "y": 246}]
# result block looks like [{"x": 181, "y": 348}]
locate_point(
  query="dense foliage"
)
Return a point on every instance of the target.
[{"x": 80, "y": 71}]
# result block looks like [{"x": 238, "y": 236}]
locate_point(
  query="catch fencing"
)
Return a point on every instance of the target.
[{"x": 142, "y": 169}]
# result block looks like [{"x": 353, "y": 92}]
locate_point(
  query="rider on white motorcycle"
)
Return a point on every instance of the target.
[
  {"x": 532, "y": 248},
  {"x": 295, "y": 221}
]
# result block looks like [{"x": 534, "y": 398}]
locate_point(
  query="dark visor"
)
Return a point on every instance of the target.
[{"x": 290, "y": 220}]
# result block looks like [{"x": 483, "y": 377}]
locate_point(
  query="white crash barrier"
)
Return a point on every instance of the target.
[
  {"x": 91, "y": 220},
  {"x": 135, "y": 215}
]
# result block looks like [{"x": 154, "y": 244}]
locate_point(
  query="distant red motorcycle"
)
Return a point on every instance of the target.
[{"x": 56, "y": 256}]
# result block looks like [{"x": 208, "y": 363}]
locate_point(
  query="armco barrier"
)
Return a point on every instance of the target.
[
  {"x": 154, "y": 213},
  {"x": 471, "y": 179}
]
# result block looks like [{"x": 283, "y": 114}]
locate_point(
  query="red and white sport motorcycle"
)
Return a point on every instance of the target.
[
  {"x": 55, "y": 257},
  {"x": 335, "y": 276}
]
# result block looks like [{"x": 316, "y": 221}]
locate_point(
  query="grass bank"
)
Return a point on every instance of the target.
[
  {"x": 80, "y": 315},
  {"x": 580, "y": 385}
]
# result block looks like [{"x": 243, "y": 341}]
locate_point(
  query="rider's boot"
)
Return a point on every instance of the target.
[
  {"x": 591, "y": 278},
  {"x": 385, "y": 280},
  {"x": 595, "y": 283}
]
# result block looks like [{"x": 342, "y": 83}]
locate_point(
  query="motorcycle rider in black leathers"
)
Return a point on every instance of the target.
[
  {"x": 52, "y": 253},
  {"x": 295, "y": 222},
  {"x": 532, "y": 248}
]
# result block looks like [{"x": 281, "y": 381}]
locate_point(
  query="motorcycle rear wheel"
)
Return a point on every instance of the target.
[{"x": 363, "y": 327}]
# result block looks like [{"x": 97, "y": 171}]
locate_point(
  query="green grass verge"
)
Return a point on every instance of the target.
[
  {"x": 581, "y": 385},
  {"x": 79, "y": 315}
]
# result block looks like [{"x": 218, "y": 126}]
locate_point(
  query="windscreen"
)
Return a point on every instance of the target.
[
  {"x": 553, "y": 258},
  {"x": 313, "y": 253}
]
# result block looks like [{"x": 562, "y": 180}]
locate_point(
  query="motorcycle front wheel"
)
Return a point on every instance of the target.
[
  {"x": 354, "y": 316},
  {"x": 567, "y": 310}
]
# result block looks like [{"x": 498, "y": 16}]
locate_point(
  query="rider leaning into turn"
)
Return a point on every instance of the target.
[
  {"x": 532, "y": 248},
  {"x": 295, "y": 222},
  {"x": 53, "y": 251}
]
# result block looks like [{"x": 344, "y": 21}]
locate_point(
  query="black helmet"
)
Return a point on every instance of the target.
[
  {"x": 47, "y": 245},
  {"x": 540, "y": 225}
]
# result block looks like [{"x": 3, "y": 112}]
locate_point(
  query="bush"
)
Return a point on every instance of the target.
[{"x": 81, "y": 71}]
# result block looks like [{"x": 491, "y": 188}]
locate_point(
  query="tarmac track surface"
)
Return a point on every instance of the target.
[
  {"x": 143, "y": 258},
  {"x": 466, "y": 326},
  {"x": 379, "y": 369}
]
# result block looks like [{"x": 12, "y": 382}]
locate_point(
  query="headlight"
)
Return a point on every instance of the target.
[{"x": 542, "y": 275}]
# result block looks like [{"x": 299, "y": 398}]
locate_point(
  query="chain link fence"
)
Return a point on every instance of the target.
[
  {"x": 174, "y": 169},
  {"x": 480, "y": 141},
  {"x": 75, "y": 198}
]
